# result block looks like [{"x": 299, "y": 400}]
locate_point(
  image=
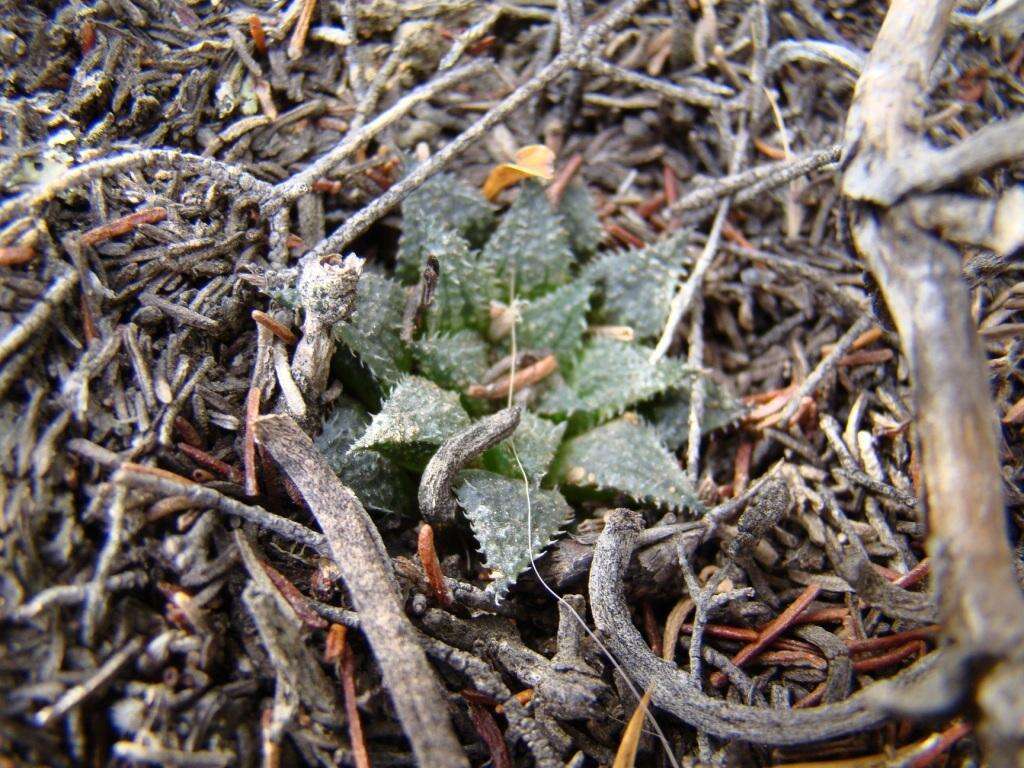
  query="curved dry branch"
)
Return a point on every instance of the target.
[
  {"x": 673, "y": 689},
  {"x": 437, "y": 503}
]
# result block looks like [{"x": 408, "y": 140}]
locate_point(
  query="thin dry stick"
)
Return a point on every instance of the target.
[
  {"x": 168, "y": 484},
  {"x": 359, "y": 553},
  {"x": 684, "y": 296},
  {"x": 94, "y": 685},
  {"x": 302, "y": 182},
  {"x": 27, "y": 202},
  {"x": 827, "y": 364},
  {"x": 699, "y": 92},
  {"x": 34, "y": 321},
  {"x": 755, "y": 181},
  {"x": 674, "y": 692},
  {"x": 362, "y": 221}
]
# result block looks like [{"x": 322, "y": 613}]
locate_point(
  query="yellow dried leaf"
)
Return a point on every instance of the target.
[
  {"x": 625, "y": 756},
  {"x": 535, "y": 161}
]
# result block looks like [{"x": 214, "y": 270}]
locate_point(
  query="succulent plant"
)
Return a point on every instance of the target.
[{"x": 603, "y": 424}]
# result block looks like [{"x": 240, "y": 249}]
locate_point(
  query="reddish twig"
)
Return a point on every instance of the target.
[
  {"x": 278, "y": 329},
  {"x": 187, "y": 432},
  {"x": 199, "y": 456},
  {"x": 259, "y": 38},
  {"x": 15, "y": 255},
  {"x": 866, "y": 357},
  {"x": 298, "y": 601},
  {"x": 252, "y": 412},
  {"x": 562, "y": 179},
  {"x": 432, "y": 566},
  {"x": 917, "y": 647},
  {"x": 339, "y": 650},
  {"x": 531, "y": 374},
  {"x": 765, "y": 637},
  {"x": 491, "y": 735},
  {"x": 888, "y": 641},
  {"x": 623, "y": 235},
  {"x": 651, "y": 629},
  {"x": 946, "y": 739},
  {"x": 123, "y": 225}
]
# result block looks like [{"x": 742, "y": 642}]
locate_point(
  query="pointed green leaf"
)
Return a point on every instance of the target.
[
  {"x": 536, "y": 441},
  {"x": 464, "y": 283},
  {"x": 579, "y": 215},
  {"x": 413, "y": 422},
  {"x": 556, "y": 321},
  {"x": 379, "y": 483},
  {"x": 373, "y": 331},
  {"x": 625, "y": 456},
  {"x": 445, "y": 201},
  {"x": 498, "y": 509},
  {"x": 531, "y": 241},
  {"x": 670, "y": 415},
  {"x": 636, "y": 287},
  {"x": 454, "y": 361},
  {"x": 609, "y": 377}
]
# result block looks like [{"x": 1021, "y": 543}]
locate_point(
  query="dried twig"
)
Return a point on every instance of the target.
[{"x": 359, "y": 553}]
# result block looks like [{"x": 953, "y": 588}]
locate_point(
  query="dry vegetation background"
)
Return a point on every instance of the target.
[{"x": 183, "y": 579}]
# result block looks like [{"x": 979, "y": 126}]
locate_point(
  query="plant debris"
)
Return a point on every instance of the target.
[{"x": 426, "y": 382}]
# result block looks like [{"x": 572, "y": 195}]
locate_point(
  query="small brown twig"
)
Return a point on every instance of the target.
[
  {"x": 200, "y": 456},
  {"x": 431, "y": 565},
  {"x": 338, "y": 650},
  {"x": 524, "y": 377},
  {"x": 122, "y": 226},
  {"x": 491, "y": 735},
  {"x": 259, "y": 38},
  {"x": 252, "y": 412},
  {"x": 16, "y": 255},
  {"x": 283, "y": 332},
  {"x": 563, "y": 177}
]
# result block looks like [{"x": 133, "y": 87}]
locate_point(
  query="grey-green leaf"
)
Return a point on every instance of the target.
[
  {"x": 635, "y": 287},
  {"x": 670, "y": 415},
  {"x": 454, "y": 361},
  {"x": 413, "y": 422},
  {"x": 625, "y": 456},
  {"x": 379, "y": 483},
  {"x": 373, "y": 331},
  {"x": 556, "y": 321},
  {"x": 531, "y": 241},
  {"x": 497, "y": 510},
  {"x": 580, "y": 218},
  {"x": 536, "y": 441},
  {"x": 609, "y": 377},
  {"x": 443, "y": 200}
]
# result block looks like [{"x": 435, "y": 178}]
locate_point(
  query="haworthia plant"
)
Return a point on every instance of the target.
[{"x": 603, "y": 424}]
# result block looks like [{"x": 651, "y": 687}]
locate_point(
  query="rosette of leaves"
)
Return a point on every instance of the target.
[{"x": 604, "y": 425}]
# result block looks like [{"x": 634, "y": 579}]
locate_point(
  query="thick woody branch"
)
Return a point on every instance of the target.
[{"x": 359, "y": 553}]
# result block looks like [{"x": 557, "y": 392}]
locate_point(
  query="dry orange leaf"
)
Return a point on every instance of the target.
[
  {"x": 535, "y": 161},
  {"x": 625, "y": 756}
]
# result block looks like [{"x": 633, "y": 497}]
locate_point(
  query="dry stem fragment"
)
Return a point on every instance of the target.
[{"x": 359, "y": 553}]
